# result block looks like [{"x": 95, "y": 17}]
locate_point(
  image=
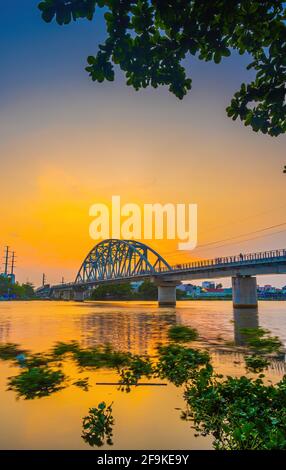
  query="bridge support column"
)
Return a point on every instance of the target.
[
  {"x": 244, "y": 292},
  {"x": 167, "y": 293},
  {"x": 66, "y": 295},
  {"x": 56, "y": 294},
  {"x": 79, "y": 295}
]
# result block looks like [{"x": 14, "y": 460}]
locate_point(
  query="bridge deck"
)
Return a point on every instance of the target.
[{"x": 268, "y": 262}]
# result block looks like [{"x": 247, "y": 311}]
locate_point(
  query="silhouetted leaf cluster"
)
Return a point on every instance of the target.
[
  {"x": 97, "y": 425},
  {"x": 150, "y": 39}
]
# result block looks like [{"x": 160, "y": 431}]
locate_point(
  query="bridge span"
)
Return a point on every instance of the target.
[{"x": 118, "y": 261}]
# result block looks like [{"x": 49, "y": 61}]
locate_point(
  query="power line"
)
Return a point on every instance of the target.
[
  {"x": 246, "y": 218},
  {"x": 247, "y": 240},
  {"x": 243, "y": 235},
  {"x": 210, "y": 245}
]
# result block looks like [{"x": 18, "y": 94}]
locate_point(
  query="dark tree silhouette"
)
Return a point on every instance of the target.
[{"x": 149, "y": 40}]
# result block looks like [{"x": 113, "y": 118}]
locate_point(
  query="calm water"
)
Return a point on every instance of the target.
[{"x": 146, "y": 418}]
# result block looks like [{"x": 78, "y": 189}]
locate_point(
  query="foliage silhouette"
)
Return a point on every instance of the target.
[
  {"x": 37, "y": 382},
  {"x": 138, "y": 366},
  {"x": 150, "y": 40},
  {"x": 182, "y": 334},
  {"x": 97, "y": 425},
  {"x": 260, "y": 340},
  {"x": 239, "y": 413},
  {"x": 10, "y": 351},
  {"x": 256, "y": 363}
]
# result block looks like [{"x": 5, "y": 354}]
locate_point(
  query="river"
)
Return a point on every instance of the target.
[{"x": 149, "y": 416}]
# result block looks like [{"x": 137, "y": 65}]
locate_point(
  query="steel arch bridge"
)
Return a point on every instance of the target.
[{"x": 119, "y": 259}]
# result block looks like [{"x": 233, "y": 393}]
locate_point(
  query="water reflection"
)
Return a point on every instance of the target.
[
  {"x": 244, "y": 318},
  {"x": 135, "y": 331},
  {"x": 146, "y": 418}
]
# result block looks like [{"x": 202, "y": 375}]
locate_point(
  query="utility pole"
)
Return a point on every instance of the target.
[
  {"x": 6, "y": 260},
  {"x": 13, "y": 263},
  {"x": 63, "y": 280},
  {"x": 44, "y": 279}
]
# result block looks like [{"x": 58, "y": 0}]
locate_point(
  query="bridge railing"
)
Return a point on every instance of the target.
[
  {"x": 237, "y": 260},
  {"x": 240, "y": 259}
]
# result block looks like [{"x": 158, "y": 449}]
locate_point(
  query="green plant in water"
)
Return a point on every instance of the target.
[
  {"x": 37, "y": 360},
  {"x": 37, "y": 382},
  {"x": 178, "y": 363},
  {"x": 101, "y": 356},
  {"x": 97, "y": 425},
  {"x": 138, "y": 367},
  {"x": 82, "y": 383},
  {"x": 240, "y": 413},
  {"x": 97, "y": 356},
  {"x": 260, "y": 340},
  {"x": 10, "y": 351},
  {"x": 61, "y": 348},
  {"x": 256, "y": 363},
  {"x": 182, "y": 334}
]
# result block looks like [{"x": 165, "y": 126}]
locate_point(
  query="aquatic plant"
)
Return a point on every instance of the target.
[
  {"x": 82, "y": 383},
  {"x": 10, "y": 351},
  {"x": 256, "y": 363},
  {"x": 178, "y": 363},
  {"x": 182, "y": 333},
  {"x": 101, "y": 356},
  {"x": 260, "y": 340},
  {"x": 94, "y": 357},
  {"x": 37, "y": 382},
  {"x": 139, "y": 366},
  {"x": 240, "y": 413},
  {"x": 97, "y": 425},
  {"x": 37, "y": 360},
  {"x": 61, "y": 348}
]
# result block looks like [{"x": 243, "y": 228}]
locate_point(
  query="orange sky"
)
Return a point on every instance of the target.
[
  {"x": 67, "y": 143},
  {"x": 55, "y": 171}
]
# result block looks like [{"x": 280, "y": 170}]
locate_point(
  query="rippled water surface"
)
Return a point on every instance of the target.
[{"x": 146, "y": 418}]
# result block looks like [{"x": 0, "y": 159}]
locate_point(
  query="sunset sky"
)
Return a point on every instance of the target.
[{"x": 67, "y": 143}]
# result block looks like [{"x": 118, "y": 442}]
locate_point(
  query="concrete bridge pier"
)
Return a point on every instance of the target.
[
  {"x": 56, "y": 294},
  {"x": 79, "y": 295},
  {"x": 244, "y": 292},
  {"x": 167, "y": 293},
  {"x": 67, "y": 295}
]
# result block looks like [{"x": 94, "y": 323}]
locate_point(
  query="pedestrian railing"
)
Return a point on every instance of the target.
[{"x": 241, "y": 259}]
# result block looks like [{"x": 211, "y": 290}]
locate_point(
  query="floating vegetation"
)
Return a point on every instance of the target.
[
  {"x": 256, "y": 363},
  {"x": 37, "y": 360},
  {"x": 97, "y": 425},
  {"x": 101, "y": 356},
  {"x": 260, "y": 340},
  {"x": 182, "y": 334},
  {"x": 240, "y": 413},
  {"x": 82, "y": 383},
  {"x": 178, "y": 363},
  {"x": 37, "y": 382},
  {"x": 10, "y": 351},
  {"x": 138, "y": 367},
  {"x": 61, "y": 348}
]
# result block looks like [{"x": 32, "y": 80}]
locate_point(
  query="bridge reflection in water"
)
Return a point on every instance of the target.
[
  {"x": 127, "y": 326},
  {"x": 139, "y": 328},
  {"x": 244, "y": 318}
]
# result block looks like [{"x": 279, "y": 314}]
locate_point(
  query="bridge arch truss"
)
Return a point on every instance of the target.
[{"x": 119, "y": 259}]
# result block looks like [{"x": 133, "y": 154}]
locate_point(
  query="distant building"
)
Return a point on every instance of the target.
[
  {"x": 208, "y": 285},
  {"x": 135, "y": 285}
]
